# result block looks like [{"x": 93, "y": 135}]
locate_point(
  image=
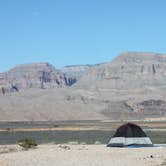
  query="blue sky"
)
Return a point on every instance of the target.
[{"x": 67, "y": 32}]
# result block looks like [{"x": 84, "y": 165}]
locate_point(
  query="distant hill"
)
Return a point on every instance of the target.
[{"x": 132, "y": 86}]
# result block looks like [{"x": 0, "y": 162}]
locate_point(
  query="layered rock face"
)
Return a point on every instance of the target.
[
  {"x": 132, "y": 86},
  {"x": 130, "y": 70},
  {"x": 38, "y": 75},
  {"x": 76, "y": 71}
]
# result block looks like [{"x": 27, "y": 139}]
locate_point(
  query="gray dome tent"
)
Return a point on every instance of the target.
[{"x": 129, "y": 134}]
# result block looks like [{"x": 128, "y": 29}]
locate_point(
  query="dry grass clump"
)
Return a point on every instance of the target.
[{"x": 27, "y": 143}]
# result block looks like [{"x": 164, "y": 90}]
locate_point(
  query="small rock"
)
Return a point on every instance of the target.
[
  {"x": 151, "y": 156},
  {"x": 64, "y": 147}
]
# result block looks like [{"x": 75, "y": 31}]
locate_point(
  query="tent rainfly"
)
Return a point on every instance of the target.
[{"x": 129, "y": 134}]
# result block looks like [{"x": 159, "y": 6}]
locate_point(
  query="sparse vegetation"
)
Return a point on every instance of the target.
[{"x": 27, "y": 143}]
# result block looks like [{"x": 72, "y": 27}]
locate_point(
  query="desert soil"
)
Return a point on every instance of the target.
[{"x": 82, "y": 155}]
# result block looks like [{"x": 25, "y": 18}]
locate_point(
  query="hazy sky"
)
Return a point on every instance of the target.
[{"x": 67, "y": 32}]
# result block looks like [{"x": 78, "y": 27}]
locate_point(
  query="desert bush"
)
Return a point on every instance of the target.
[{"x": 27, "y": 143}]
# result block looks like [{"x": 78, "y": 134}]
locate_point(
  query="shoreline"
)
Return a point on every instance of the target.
[
  {"x": 65, "y": 129},
  {"x": 81, "y": 155}
]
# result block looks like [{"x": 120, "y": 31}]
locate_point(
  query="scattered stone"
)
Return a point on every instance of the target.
[{"x": 64, "y": 147}]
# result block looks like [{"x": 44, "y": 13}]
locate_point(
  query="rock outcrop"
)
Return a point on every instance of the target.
[
  {"x": 76, "y": 71},
  {"x": 37, "y": 75}
]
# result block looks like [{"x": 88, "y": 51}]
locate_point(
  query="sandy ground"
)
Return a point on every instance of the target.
[{"x": 82, "y": 155}]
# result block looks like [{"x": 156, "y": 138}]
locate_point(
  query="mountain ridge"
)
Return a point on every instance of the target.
[
  {"x": 126, "y": 88},
  {"x": 35, "y": 75}
]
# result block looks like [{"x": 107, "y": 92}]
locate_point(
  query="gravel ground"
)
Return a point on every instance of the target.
[{"x": 82, "y": 155}]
